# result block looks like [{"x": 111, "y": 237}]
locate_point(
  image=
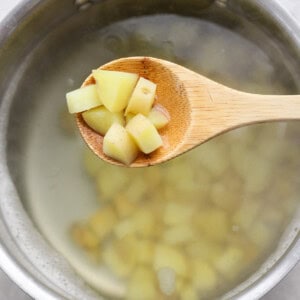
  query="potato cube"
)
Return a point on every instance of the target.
[
  {"x": 84, "y": 237},
  {"x": 230, "y": 262},
  {"x": 167, "y": 280},
  {"x": 146, "y": 223},
  {"x": 142, "y": 97},
  {"x": 100, "y": 119},
  {"x": 142, "y": 285},
  {"x": 204, "y": 277},
  {"x": 83, "y": 99},
  {"x": 176, "y": 212},
  {"x": 145, "y": 251},
  {"x": 103, "y": 222},
  {"x": 213, "y": 223},
  {"x": 124, "y": 206},
  {"x": 166, "y": 256},
  {"x": 128, "y": 117},
  {"x": 119, "y": 145},
  {"x": 189, "y": 292},
  {"x": 144, "y": 133},
  {"x": 204, "y": 249},
  {"x": 91, "y": 163},
  {"x": 159, "y": 116},
  {"x": 115, "y": 88},
  {"x": 119, "y": 255},
  {"x": 179, "y": 234}
]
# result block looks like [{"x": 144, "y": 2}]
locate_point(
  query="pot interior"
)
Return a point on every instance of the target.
[{"x": 240, "y": 191}]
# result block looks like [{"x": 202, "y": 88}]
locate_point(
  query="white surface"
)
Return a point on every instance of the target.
[{"x": 288, "y": 289}]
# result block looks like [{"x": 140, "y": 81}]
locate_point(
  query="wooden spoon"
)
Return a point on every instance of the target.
[{"x": 200, "y": 108}]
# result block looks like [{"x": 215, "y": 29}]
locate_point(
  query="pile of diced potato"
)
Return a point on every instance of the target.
[
  {"x": 188, "y": 229},
  {"x": 120, "y": 107}
]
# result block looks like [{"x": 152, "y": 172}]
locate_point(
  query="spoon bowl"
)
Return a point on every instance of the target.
[{"x": 200, "y": 108}]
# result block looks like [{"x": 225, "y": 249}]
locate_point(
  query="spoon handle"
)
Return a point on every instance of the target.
[
  {"x": 247, "y": 108},
  {"x": 231, "y": 109}
]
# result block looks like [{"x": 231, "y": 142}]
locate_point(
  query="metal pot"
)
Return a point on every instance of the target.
[{"x": 25, "y": 255}]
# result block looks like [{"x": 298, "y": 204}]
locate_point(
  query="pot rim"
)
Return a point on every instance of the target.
[{"x": 35, "y": 288}]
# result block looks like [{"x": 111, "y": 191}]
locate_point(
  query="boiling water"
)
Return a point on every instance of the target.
[{"x": 258, "y": 164}]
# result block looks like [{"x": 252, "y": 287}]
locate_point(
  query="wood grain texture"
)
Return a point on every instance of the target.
[{"x": 200, "y": 108}]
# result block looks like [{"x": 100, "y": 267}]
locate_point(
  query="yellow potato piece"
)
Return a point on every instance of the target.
[
  {"x": 159, "y": 116},
  {"x": 119, "y": 145},
  {"x": 142, "y": 285},
  {"x": 230, "y": 263},
  {"x": 179, "y": 234},
  {"x": 120, "y": 255},
  {"x": 128, "y": 117},
  {"x": 115, "y": 88},
  {"x": 145, "y": 251},
  {"x": 188, "y": 292},
  {"x": 144, "y": 133},
  {"x": 170, "y": 257},
  {"x": 84, "y": 237},
  {"x": 204, "y": 277},
  {"x": 103, "y": 222},
  {"x": 213, "y": 223},
  {"x": 124, "y": 206},
  {"x": 142, "y": 97},
  {"x": 100, "y": 119},
  {"x": 83, "y": 99},
  {"x": 177, "y": 212}
]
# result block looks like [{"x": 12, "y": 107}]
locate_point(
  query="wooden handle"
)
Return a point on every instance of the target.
[{"x": 228, "y": 109}]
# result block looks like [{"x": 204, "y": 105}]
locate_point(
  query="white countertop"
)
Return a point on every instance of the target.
[{"x": 288, "y": 289}]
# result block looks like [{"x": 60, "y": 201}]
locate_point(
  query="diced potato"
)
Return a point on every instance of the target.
[
  {"x": 144, "y": 133},
  {"x": 115, "y": 88},
  {"x": 142, "y": 285},
  {"x": 120, "y": 255},
  {"x": 83, "y": 99},
  {"x": 204, "y": 277},
  {"x": 261, "y": 234},
  {"x": 108, "y": 188},
  {"x": 124, "y": 206},
  {"x": 128, "y": 117},
  {"x": 84, "y": 237},
  {"x": 136, "y": 189},
  {"x": 177, "y": 212},
  {"x": 246, "y": 215},
  {"x": 100, "y": 119},
  {"x": 213, "y": 223},
  {"x": 230, "y": 263},
  {"x": 204, "y": 249},
  {"x": 142, "y": 97},
  {"x": 179, "y": 234},
  {"x": 170, "y": 257},
  {"x": 92, "y": 163},
  {"x": 213, "y": 157},
  {"x": 125, "y": 227},
  {"x": 145, "y": 251},
  {"x": 119, "y": 145},
  {"x": 103, "y": 222},
  {"x": 146, "y": 223},
  {"x": 188, "y": 292},
  {"x": 159, "y": 116},
  {"x": 166, "y": 280}
]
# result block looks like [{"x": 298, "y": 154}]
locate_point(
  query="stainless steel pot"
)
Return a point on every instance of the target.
[{"x": 25, "y": 255}]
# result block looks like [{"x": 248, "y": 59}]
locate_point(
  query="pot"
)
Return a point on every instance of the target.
[{"x": 40, "y": 37}]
